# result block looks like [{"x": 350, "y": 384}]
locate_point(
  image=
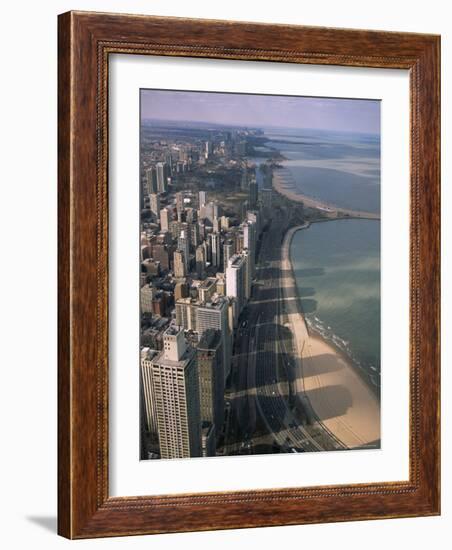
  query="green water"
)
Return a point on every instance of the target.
[{"x": 337, "y": 269}]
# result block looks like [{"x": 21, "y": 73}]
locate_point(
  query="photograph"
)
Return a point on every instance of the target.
[{"x": 259, "y": 274}]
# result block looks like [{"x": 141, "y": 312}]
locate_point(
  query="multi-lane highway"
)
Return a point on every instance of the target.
[{"x": 260, "y": 407}]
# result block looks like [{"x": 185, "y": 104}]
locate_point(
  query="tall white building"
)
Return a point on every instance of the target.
[
  {"x": 175, "y": 396},
  {"x": 164, "y": 219},
  {"x": 236, "y": 282}
]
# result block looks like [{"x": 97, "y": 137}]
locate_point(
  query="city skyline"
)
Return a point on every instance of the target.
[
  {"x": 238, "y": 352},
  {"x": 261, "y": 110}
]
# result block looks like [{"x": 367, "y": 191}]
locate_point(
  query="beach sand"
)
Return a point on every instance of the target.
[{"x": 340, "y": 398}]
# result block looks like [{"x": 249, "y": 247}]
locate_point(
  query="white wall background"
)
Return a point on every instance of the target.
[{"x": 28, "y": 233}]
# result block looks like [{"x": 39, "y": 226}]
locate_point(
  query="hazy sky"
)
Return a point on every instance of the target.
[{"x": 354, "y": 115}]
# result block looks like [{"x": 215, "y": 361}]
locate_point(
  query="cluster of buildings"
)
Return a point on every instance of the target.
[{"x": 197, "y": 267}]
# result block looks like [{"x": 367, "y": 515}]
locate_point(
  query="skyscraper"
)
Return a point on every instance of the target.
[
  {"x": 179, "y": 264},
  {"x": 162, "y": 177},
  {"x": 184, "y": 246},
  {"x": 236, "y": 282},
  {"x": 154, "y": 200},
  {"x": 211, "y": 378},
  {"x": 164, "y": 219},
  {"x": 202, "y": 199},
  {"x": 208, "y": 149},
  {"x": 249, "y": 242},
  {"x": 215, "y": 243},
  {"x": 252, "y": 194},
  {"x": 179, "y": 205},
  {"x": 175, "y": 394},
  {"x": 148, "y": 396},
  {"x": 214, "y": 315},
  {"x": 151, "y": 180},
  {"x": 228, "y": 252},
  {"x": 147, "y": 295},
  {"x": 200, "y": 260},
  {"x": 244, "y": 180},
  {"x": 186, "y": 313}
]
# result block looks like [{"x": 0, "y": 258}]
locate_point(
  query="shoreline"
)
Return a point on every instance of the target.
[
  {"x": 339, "y": 396},
  {"x": 330, "y": 210}
]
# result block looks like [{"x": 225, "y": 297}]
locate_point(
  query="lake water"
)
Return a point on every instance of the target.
[
  {"x": 337, "y": 263},
  {"x": 337, "y": 269},
  {"x": 339, "y": 168}
]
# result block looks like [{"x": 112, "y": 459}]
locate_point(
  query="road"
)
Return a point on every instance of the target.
[{"x": 261, "y": 410}]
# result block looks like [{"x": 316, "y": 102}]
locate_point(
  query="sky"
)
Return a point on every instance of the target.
[{"x": 352, "y": 115}]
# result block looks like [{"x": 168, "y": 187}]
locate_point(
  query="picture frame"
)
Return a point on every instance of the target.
[{"x": 86, "y": 40}]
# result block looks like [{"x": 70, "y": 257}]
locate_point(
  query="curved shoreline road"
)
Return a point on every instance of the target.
[{"x": 339, "y": 397}]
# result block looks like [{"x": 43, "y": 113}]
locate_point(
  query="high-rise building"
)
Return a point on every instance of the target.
[
  {"x": 200, "y": 260},
  {"x": 162, "y": 177},
  {"x": 254, "y": 216},
  {"x": 228, "y": 251},
  {"x": 214, "y": 315},
  {"x": 249, "y": 242},
  {"x": 194, "y": 234},
  {"x": 215, "y": 244},
  {"x": 207, "y": 289},
  {"x": 186, "y": 313},
  {"x": 179, "y": 264},
  {"x": 175, "y": 393},
  {"x": 266, "y": 197},
  {"x": 150, "y": 420},
  {"x": 216, "y": 225},
  {"x": 162, "y": 253},
  {"x": 154, "y": 202},
  {"x": 236, "y": 282},
  {"x": 252, "y": 194},
  {"x": 183, "y": 244},
  {"x": 244, "y": 181},
  {"x": 202, "y": 199},
  {"x": 221, "y": 284},
  {"x": 208, "y": 442},
  {"x": 147, "y": 294},
  {"x": 248, "y": 277},
  {"x": 151, "y": 267},
  {"x": 164, "y": 219},
  {"x": 179, "y": 204},
  {"x": 224, "y": 223},
  {"x": 151, "y": 181},
  {"x": 211, "y": 378},
  {"x": 181, "y": 290},
  {"x": 208, "y": 149},
  {"x": 210, "y": 210},
  {"x": 174, "y": 228}
]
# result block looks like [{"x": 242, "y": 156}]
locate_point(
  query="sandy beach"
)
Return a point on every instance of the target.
[
  {"x": 338, "y": 395},
  {"x": 286, "y": 188}
]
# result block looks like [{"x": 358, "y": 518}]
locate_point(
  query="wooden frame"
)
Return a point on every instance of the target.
[{"x": 85, "y": 42}]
